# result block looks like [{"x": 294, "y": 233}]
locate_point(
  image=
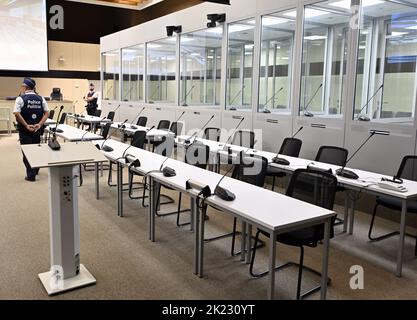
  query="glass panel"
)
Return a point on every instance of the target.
[
  {"x": 132, "y": 72},
  {"x": 201, "y": 67},
  {"x": 161, "y": 75},
  {"x": 240, "y": 64},
  {"x": 386, "y": 72},
  {"x": 111, "y": 71},
  {"x": 277, "y": 42},
  {"x": 323, "y": 73}
]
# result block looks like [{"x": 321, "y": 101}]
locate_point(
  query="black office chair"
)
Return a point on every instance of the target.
[
  {"x": 336, "y": 156},
  {"x": 51, "y": 114},
  {"x": 164, "y": 124},
  {"x": 105, "y": 131},
  {"x": 244, "y": 138},
  {"x": 290, "y": 147},
  {"x": 110, "y": 116},
  {"x": 63, "y": 117},
  {"x": 176, "y": 128},
  {"x": 212, "y": 134},
  {"x": 197, "y": 155},
  {"x": 97, "y": 113},
  {"x": 138, "y": 141},
  {"x": 407, "y": 170},
  {"x": 142, "y": 121},
  {"x": 315, "y": 187}
]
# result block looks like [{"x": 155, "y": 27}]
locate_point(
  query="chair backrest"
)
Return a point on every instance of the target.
[
  {"x": 97, "y": 113},
  {"x": 408, "y": 168},
  {"x": 63, "y": 117},
  {"x": 251, "y": 169},
  {"x": 212, "y": 134},
  {"x": 176, "y": 127},
  {"x": 291, "y": 147},
  {"x": 317, "y": 188},
  {"x": 105, "y": 130},
  {"x": 111, "y": 115},
  {"x": 142, "y": 121},
  {"x": 244, "y": 138},
  {"x": 198, "y": 155},
  {"x": 51, "y": 114},
  {"x": 165, "y": 147},
  {"x": 139, "y": 139},
  {"x": 332, "y": 155},
  {"x": 164, "y": 124}
]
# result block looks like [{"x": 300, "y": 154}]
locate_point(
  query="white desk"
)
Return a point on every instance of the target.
[
  {"x": 366, "y": 183},
  {"x": 49, "y": 122},
  {"x": 92, "y": 120},
  {"x": 291, "y": 215},
  {"x": 66, "y": 272},
  {"x": 73, "y": 134},
  {"x": 151, "y": 133}
]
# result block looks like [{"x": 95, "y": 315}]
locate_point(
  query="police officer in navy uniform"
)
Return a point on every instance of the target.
[
  {"x": 31, "y": 112},
  {"x": 91, "y": 99}
]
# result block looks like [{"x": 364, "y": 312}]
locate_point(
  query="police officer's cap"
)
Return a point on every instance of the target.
[{"x": 29, "y": 82}]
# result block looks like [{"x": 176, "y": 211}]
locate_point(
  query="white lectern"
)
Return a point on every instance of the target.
[{"x": 66, "y": 271}]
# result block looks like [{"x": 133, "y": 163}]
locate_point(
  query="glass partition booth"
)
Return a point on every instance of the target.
[
  {"x": 132, "y": 73},
  {"x": 240, "y": 64},
  {"x": 111, "y": 74},
  {"x": 201, "y": 67},
  {"x": 324, "y": 56},
  {"x": 386, "y": 71},
  {"x": 161, "y": 67},
  {"x": 277, "y": 44}
]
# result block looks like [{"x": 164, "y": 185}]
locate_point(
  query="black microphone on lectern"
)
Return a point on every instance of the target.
[
  {"x": 186, "y": 96},
  {"x": 223, "y": 193},
  {"x": 306, "y": 112},
  {"x": 283, "y": 161},
  {"x": 196, "y": 133},
  {"x": 363, "y": 117},
  {"x": 349, "y": 174},
  {"x": 238, "y": 125},
  {"x": 137, "y": 116},
  {"x": 53, "y": 143},
  {"x": 180, "y": 116}
]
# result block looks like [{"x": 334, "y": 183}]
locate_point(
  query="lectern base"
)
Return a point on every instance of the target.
[{"x": 84, "y": 278}]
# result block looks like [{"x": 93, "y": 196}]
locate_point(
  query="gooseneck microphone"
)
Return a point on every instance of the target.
[
  {"x": 186, "y": 96},
  {"x": 137, "y": 116},
  {"x": 196, "y": 133},
  {"x": 306, "y": 112},
  {"x": 53, "y": 143},
  {"x": 283, "y": 161},
  {"x": 342, "y": 172},
  {"x": 272, "y": 99},
  {"x": 363, "y": 117},
  {"x": 180, "y": 116},
  {"x": 223, "y": 193},
  {"x": 238, "y": 125},
  {"x": 237, "y": 95}
]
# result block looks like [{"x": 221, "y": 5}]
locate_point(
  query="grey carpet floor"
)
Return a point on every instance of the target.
[{"x": 128, "y": 266}]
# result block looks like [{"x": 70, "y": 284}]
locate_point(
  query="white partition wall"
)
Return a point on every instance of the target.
[{"x": 279, "y": 65}]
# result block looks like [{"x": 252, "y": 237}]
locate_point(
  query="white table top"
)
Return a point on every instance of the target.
[
  {"x": 367, "y": 180},
  {"x": 87, "y": 118},
  {"x": 41, "y": 156},
  {"x": 71, "y": 133},
  {"x": 152, "y": 133},
  {"x": 271, "y": 210},
  {"x": 49, "y": 122}
]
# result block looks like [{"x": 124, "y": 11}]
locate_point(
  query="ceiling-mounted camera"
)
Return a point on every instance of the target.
[
  {"x": 215, "y": 18},
  {"x": 172, "y": 29}
]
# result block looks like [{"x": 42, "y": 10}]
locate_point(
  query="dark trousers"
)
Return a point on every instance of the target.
[{"x": 29, "y": 138}]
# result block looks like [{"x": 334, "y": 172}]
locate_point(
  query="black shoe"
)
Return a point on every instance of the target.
[{"x": 30, "y": 179}]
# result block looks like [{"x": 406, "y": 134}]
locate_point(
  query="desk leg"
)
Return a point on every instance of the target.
[
  {"x": 402, "y": 237},
  {"x": 192, "y": 214},
  {"x": 201, "y": 214},
  {"x": 150, "y": 208},
  {"x": 195, "y": 221},
  {"x": 325, "y": 263},
  {"x": 352, "y": 211},
  {"x": 119, "y": 190},
  {"x": 346, "y": 213},
  {"x": 154, "y": 186},
  {"x": 272, "y": 256},
  {"x": 96, "y": 171},
  {"x": 249, "y": 244},
  {"x": 243, "y": 242}
]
